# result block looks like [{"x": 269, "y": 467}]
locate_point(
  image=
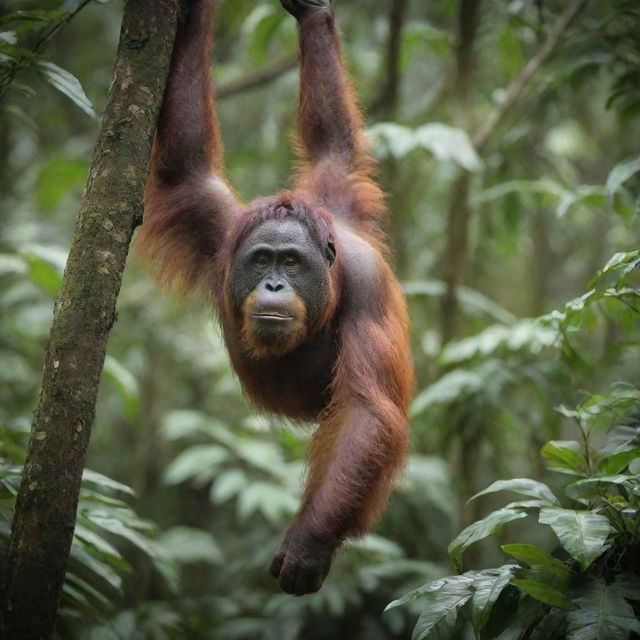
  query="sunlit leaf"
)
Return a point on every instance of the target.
[
  {"x": 68, "y": 84},
  {"x": 587, "y": 489},
  {"x": 565, "y": 456},
  {"x": 524, "y": 487},
  {"x": 621, "y": 173},
  {"x": 487, "y": 587},
  {"x": 480, "y": 530},
  {"x": 190, "y": 545},
  {"x": 583, "y": 534},
  {"x": 198, "y": 463},
  {"x": 102, "y": 481}
]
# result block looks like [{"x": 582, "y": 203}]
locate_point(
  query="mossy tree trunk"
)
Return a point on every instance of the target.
[{"x": 84, "y": 313}]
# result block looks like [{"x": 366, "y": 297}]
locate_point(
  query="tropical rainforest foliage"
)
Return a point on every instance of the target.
[{"x": 528, "y": 378}]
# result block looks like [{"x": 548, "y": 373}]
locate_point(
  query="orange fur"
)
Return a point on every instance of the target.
[{"x": 352, "y": 370}]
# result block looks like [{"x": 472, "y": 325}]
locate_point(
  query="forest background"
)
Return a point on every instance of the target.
[{"x": 513, "y": 182}]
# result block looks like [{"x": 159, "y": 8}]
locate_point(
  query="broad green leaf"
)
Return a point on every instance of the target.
[
  {"x": 391, "y": 139},
  {"x": 99, "y": 548},
  {"x": 68, "y": 84},
  {"x": 100, "y": 480},
  {"x": 46, "y": 265},
  {"x": 582, "y": 534},
  {"x": 118, "y": 527},
  {"x": 455, "y": 384},
  {"x": 448, "y": 143},
  {"x": 126, "y": 384},
  {"x": 620, "y": 447},
  {"x": 198, "y": 463},
  {"x": 565, "y": 456},
  {"x": 189, "y": 545},
  {"x": 551, "y": 569},
  {"x": 604, "y": 614},
  {"x": 620, "y": 174},
  {"x": 524, "y": 487},
  {"x": 439, "y": 604},
  {"x": 274, "y": 502},
  {"x": 463, "y": 582},
  {"x": 70, "y": 577},
  {"x": 522, "y": 335},
  {"x": 188, "y": 423},
  {"x": 480, "y": 530},
  {"x": 544, "y": 592},
  {"x": 443, "y": 141},
  {"x": 100, "y": 569},
  {"x": 487, "y": 587},
  {"x": 228, "y": 484},
  {"x": 589, "y": 488},
  {"x": 440, "y": 598},
  {"x": 618, "y": 461}
]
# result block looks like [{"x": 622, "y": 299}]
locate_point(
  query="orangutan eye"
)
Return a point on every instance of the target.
[
  {"x": 290, "y": 261},
  {"x": 261, "y": 259}
]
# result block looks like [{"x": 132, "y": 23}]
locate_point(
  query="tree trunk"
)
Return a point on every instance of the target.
[{"x": 84, "y": 313}]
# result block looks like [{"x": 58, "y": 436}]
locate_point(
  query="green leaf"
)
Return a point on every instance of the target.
[
  {"x": 604, "y": 614},
  {"x": 582, "y": 534},
  {"x": 544, "y": 592},
  {"x": 462, "y": 581},
  {"x": 618, "y": 461},
  {"x": 68, "y": 84},
  {"x": 100, "y": 480},
  {"x": 46, "y": 265},
  {"x": 198, "y": 463},
  {"x": 544, "y": 565},
  {"x": 189, "y": 545},
  {"x": 440, "y": 599},
  {"x": 119, "y": 527},
  {"x": 273, "y": 501},
  {"x": 448, "y": 143},
  {"x": 620, "y": 174},
  {"x": 444, "y": 142},
  {"x": 456, "y": 383},
  {"x": 439, "y": 604},
  {"x": 487, "y": 587},
  {"x": 589, "y": 488},
  {"x": 126, "y": 384},
  {"x": 620, "y": 447},
  {"x": 524, "y": 487},
  {"x": 564, "y": 456},
  {"x": 480, "y": 530}
]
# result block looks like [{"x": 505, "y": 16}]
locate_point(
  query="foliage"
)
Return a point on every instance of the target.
[
  {"x": 589, "y": 589},
  {"x": 552, "y": 196}
]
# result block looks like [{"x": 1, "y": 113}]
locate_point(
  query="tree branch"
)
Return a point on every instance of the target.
[
  {"x": 519, "y": 83},
  {"x": 258, "y": 78},
  {"x": 454, "y": 259},
  {"x": 44, "y": 520}
]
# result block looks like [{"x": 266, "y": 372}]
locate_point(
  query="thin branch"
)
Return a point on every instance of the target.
[
  {"x": 258, "y": 78},
  {"x": 47, "y": 33},
  {"x": 519, "y": 83}
]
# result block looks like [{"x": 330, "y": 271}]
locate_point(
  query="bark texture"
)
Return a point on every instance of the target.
[{"x": 84, "y": 313}]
